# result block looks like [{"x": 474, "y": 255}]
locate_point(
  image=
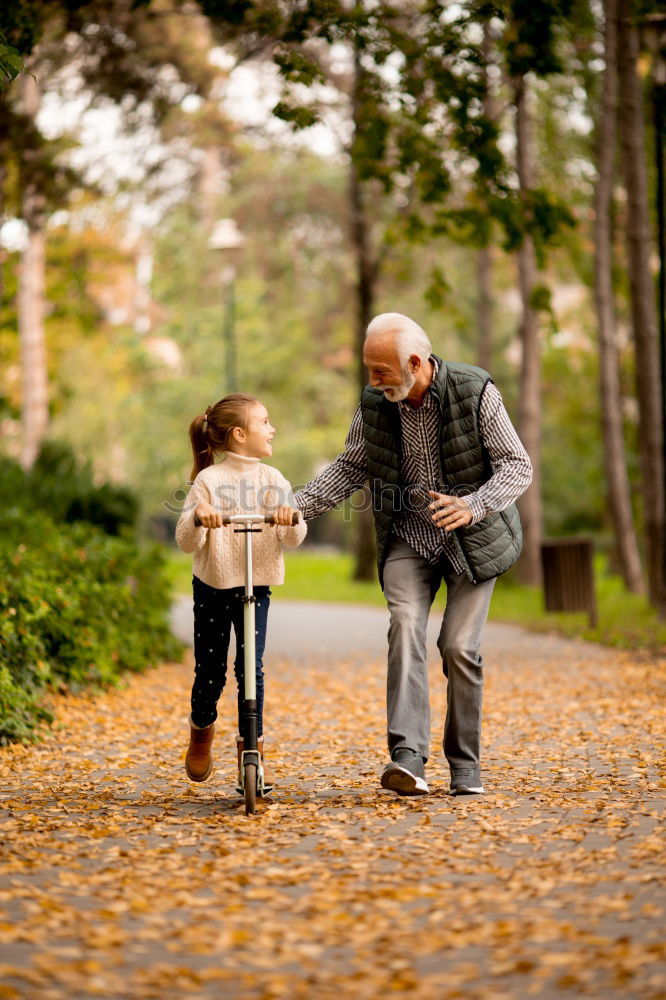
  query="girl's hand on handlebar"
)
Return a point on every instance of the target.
[
  {"x": 207, "y": 516},
  {"x": 285, "y": 515}
]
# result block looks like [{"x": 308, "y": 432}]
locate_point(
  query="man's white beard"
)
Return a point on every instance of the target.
[{"x": 399, "y": 392}]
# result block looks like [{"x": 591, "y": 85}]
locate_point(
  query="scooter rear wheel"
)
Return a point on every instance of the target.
[{"x": 250, "y": 783}]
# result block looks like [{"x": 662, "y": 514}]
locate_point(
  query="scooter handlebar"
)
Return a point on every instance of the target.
[{"x": 258, "y": 519}]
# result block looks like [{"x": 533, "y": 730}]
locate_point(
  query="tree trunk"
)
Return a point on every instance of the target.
[
  {"x": 210, "y": 186},
  {"x": 484, "y": 307},
  {"x": 4, "y": 153},
  {"x": 365, "y": 550},
  {"x": 484, "y": 260},
  {"x": 642, "y": 291},
  {"x": 609, "y": 381},
  {"x": 30, "y": 300},
  {"x": 3, "y": 252},
  {"x": 529, "y": 409}
]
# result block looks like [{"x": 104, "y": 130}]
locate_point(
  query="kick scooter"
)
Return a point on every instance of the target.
[{"x": 251, "y": 769}]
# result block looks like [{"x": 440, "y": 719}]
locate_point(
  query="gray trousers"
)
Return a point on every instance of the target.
[{"x": 410, "y": 586}]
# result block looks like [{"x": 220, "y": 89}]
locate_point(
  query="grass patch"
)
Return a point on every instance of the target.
[{"x": 625, "y": 620}]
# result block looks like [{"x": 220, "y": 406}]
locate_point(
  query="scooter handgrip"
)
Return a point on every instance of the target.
[{"x": 270, "y": 518}]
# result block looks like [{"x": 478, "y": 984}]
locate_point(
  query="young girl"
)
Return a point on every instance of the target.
[{"x": 239, "y": 431}]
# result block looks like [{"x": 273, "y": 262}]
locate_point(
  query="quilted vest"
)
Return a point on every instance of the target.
[{"x": 486, "y": 549}]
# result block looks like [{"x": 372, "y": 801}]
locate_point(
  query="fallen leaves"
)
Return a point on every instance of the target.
[{"x": 119, "y": 878}]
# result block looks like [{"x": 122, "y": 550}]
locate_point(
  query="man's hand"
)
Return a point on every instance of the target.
[
  {"x": 285, "y": 515},
  {"x": 450, "y": 512},
  {"x": 206, "y": 516}
]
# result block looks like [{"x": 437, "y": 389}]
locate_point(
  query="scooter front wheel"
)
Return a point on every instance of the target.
[{"x": 250, "y": 783}]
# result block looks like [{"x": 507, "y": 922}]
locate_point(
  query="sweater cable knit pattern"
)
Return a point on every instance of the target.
[{"x": 238, "y": 484}]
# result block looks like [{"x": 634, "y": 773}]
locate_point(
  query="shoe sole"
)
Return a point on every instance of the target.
[
  {"x": 467, "y": 790},
  {"x": 202, "y": 777},
  {"x": 399, "y": 779}
]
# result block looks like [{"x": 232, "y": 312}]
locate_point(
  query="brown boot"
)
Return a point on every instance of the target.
[
  {"x": 268, "y": 777},
  {"x": 199, "y": 759}
]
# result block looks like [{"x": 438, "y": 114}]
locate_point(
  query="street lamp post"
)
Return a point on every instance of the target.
[{"x": 228, "y": 239}]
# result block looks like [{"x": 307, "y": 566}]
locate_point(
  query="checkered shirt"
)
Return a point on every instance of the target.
[{"x": 419, "y": 472}]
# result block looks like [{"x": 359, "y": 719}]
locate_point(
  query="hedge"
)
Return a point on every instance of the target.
[{"x": 78, "y": 608}]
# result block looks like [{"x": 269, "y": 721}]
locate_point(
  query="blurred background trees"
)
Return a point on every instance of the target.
[{"x": 489, "y": 169}]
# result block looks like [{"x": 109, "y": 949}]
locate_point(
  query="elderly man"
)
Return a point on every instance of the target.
[{"x": 445, "y": 466}]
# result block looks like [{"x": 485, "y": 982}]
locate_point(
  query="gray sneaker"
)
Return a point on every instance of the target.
[
  {"x": 466, "y": 781},
  {"x": 406, "y": 773}
]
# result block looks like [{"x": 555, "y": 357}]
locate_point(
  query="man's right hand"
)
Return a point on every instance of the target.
[{"x": 206, "y": 516}]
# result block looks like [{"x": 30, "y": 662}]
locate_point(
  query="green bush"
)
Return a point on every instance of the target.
[
  {"x": 64, "y": 488},
  {"x": 77, "y": 608},
  {"x": 20, "y": 710}
]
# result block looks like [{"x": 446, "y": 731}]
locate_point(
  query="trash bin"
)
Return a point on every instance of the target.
[{"x": 568, "y": 575}]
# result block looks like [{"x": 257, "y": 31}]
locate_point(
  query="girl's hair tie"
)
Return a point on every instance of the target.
[{"x": 205, "y": 420}]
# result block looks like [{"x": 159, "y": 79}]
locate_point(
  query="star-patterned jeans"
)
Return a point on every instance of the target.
[{"x": 215, "y": 611}]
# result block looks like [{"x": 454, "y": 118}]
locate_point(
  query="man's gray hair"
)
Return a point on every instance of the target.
[{"x": 409, "y": 337}]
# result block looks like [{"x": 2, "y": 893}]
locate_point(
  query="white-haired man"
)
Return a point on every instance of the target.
[{"x": 445, "y": 467}]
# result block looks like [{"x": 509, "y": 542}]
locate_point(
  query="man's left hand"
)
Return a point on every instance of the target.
[{"x": 450, "y": 512}]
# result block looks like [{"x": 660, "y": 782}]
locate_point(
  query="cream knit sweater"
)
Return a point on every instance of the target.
[{"x": 238, "y": 485}]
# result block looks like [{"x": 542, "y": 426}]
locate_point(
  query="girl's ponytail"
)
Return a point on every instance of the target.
[
  {"x": 202, "y": 449},
  {"x": 210, "y": 432}
]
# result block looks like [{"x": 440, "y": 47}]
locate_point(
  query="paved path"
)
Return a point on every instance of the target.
[
  {"x": 120, "y": 879},
  {"x": 324, "y": 631}
]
